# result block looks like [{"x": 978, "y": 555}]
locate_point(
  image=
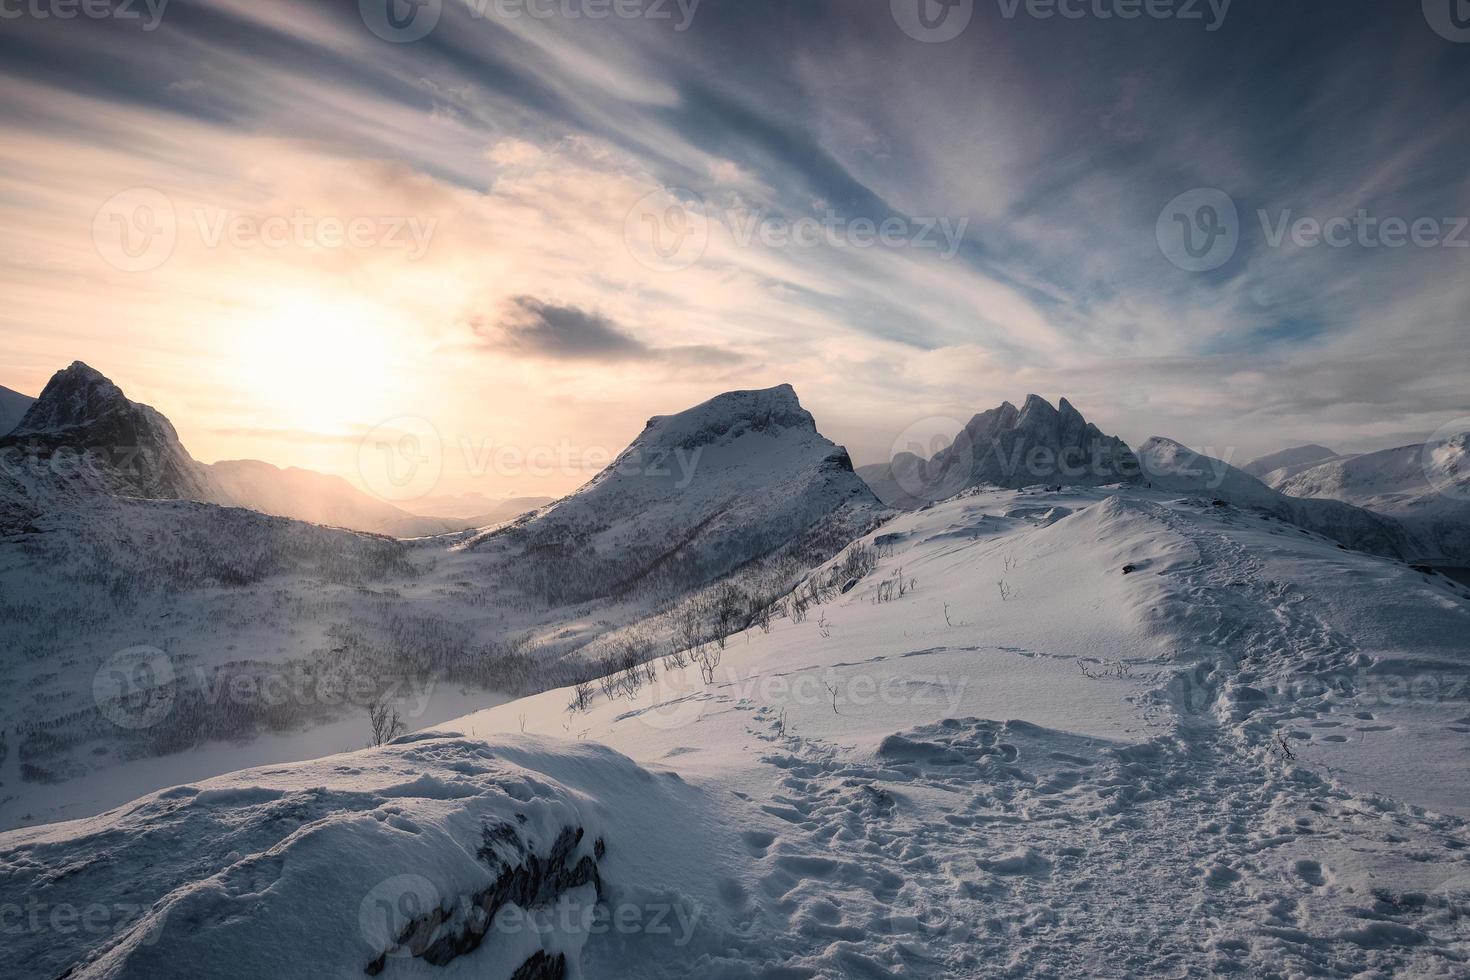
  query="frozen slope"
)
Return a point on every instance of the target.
[
  {"x": 1094, "y": 732},
  {"x": 1424, "y": 487},
  {"x": 1295, "y": 457},
  {"x": 13, "y": 407},
  {"x": 696, "y": 495}
]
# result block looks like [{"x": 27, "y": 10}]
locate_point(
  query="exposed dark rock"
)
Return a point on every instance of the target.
[{"x": 528, "y": 881}]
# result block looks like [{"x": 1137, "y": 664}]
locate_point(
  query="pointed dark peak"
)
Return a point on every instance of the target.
[
  {"x": 1037, "y": 407},
  {"x": 131, "y": 448}
]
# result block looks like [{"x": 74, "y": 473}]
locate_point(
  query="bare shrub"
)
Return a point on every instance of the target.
[{"x": 384, "y": 722}]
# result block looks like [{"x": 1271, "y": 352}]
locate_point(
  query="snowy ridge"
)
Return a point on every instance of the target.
[
  {"x": 1169, "y": 464},
  {"x": 696, "y": 495},
  {"x": 1425, "y": 487},
  {"x": 400, "y": 860},
  {"x": 1101, "y": 732},
  {"x": 1295, "y": 457}
]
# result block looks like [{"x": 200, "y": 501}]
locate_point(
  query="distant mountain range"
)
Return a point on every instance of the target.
[
  {"x": 1425, "y": 487},
  {"x": 1403, "y": 503},
  {"x": 101, "y": 441},
  {"x": 13, "y": 407}
]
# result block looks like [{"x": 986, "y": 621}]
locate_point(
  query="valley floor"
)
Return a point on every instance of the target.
[{"x": 1051, "y": 734}]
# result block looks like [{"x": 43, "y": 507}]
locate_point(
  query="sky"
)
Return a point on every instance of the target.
[{"x": 520, "y": 228}]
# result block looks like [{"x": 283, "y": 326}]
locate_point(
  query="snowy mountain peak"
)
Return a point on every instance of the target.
[
  {"x": 1009, "y": 447},
  {"x": 119, "y": 446},
  {"x": 1294, "y": 459},
  {"x": 696, "y": 494},
  {"x": 726, "y": 416}
]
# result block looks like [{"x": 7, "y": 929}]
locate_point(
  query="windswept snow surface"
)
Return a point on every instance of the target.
[{"x": 1094, "y": 732}]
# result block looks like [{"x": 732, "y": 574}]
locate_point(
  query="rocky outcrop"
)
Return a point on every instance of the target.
[
  {"x": 1036, "y": 444},
  {"x": 533, "y": 882}
]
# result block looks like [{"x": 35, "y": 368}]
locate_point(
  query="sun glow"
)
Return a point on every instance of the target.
[{"x": 320, "y": 364}]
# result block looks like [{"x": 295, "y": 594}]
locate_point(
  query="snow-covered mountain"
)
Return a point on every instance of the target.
[
  {"x": 1168, "y": 464},
  {"x": 83, "y": 435},
  {"x": 1425, "y": 487},
  {"x": 226, "y": 598},
  {"x": 13, "y": 407},
  {"x": 305, "y": 495},
  {"x": 1097, "y": 731},
  {"x": 1296, "y": 456},
  {"x": 474, "y": 509},
  {"x": 1037, "y": 444},
  {"x": 694, "y": 496}
]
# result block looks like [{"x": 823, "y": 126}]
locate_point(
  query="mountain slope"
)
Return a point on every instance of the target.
[
  {"x": 477, "y": 509},
  {"x": 1177, "y": 743},
  {"x": 13, "y": 406},
  {"x": 83, "y": 434},
  {"x": 694, "y": 496},
  {"x": 317, "y": 498},
  {"x": 1171, "y": 465},
  {"x": 1424, "y": 487},
  {"x": 1296, "y": 456},
  {"x": 1036, "y": 444}
]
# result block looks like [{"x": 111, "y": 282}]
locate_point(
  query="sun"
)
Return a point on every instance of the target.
[{"x": 320, "y": 364}]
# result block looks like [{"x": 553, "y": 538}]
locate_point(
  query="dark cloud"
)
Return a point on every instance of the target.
[
  {"x": 541, "y": 329},
  {"x": 535, "y": 328}
]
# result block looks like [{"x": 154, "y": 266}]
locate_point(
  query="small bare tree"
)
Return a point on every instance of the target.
[
  {"x": 385, "y": 723},
  {"x": 708, "y": 656},
  {"x": 581, "y": 697}
]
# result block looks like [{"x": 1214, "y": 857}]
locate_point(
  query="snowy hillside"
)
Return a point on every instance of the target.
[
  {"x": 695, "y": 496},
  {"x": 1089, "y": 732},
  {"x": 13, "y": 407},
  {"x": 319, "y": 499},
  {"x": 1167, "y": 464},
  {"x": 1295, "y": 457},
  {"x": 1424, "y": 487},
  {"x": 265, "y": 639},
  {"x": 477, "y": 509},
  {"x": 1036, "y": 444}
]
